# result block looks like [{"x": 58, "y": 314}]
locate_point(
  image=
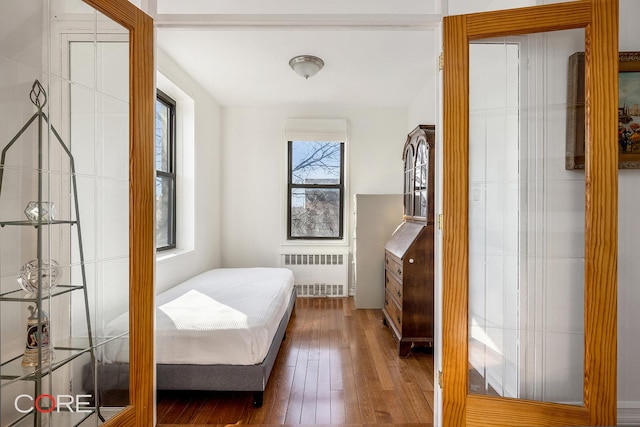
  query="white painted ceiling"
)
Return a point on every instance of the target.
[
  {"x": 240, "y": 67},
  {"x": 241, "y": 57}
]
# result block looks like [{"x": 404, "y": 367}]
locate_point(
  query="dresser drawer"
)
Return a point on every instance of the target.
[
  {"x": 393, "y": 265},
  {"x": 393, "y": 286},
  {"x": 394, "y": 312}
]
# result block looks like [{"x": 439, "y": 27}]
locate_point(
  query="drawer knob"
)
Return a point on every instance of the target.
[
  {"x": 386, "y": 260},
  {"x": 399, "y": 321},
  {"x": 387, "y": 279},
  {"x": 399, "y": 272},
  {"x": 399, "y": 294},
  {"x": 410, "y": 260}
]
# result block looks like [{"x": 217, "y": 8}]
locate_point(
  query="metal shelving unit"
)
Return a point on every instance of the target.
[{"x": 12, "y": 370}]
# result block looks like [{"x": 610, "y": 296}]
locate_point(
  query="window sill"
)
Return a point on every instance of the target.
[{"x": 171, "y": 254}]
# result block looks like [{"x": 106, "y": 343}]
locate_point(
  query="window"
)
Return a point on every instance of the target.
[
  {"x": 315, "y": 190},
  {"x": 165, "y": 172}
]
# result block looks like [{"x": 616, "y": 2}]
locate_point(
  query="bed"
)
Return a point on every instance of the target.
[{"x": 220, "y": 330}]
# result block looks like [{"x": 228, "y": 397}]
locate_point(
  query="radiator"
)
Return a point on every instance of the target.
[{"x": 319, "y": 275}]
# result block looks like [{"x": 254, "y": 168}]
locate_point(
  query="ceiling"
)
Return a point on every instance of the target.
[
  {"x": 251, "y": 66},
  {"x": 240, "y": 51},
  {"x": 376, "y": 52}
]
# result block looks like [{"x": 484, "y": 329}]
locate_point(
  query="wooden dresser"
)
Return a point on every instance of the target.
[{"x": 408, "y": 300}]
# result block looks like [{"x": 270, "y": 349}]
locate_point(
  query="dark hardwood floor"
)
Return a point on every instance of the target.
[{"x": 337, "y": 366}]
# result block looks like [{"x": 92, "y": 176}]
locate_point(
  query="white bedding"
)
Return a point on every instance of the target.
[{"x": 223, "y": 316}]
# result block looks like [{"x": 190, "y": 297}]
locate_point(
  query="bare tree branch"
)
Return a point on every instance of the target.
[{"x": 319, "y": 157}]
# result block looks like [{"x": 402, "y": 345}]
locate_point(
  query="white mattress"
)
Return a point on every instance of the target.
[{"x": 222, "y": 316}]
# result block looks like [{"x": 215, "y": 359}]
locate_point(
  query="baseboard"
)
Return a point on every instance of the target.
[{"x": 628, "y": 413}]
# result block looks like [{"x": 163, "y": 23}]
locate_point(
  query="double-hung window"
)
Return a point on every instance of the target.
[
  {"x": 165, "y": 150},
  {"x": 315, "y": 190}
]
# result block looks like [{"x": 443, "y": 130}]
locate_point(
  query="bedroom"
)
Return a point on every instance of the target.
[
  {"x": 257, "y": 117},
  {"x": 240, "y": 122},
  {"x": 231, "y": 227}
]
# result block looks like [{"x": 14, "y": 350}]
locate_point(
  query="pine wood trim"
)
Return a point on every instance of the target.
[
  {"x": 455, "y": 257},
  {"x": 127, "y": 417},
  {"x": 561, "y": 16},
  {"x": 512, "y": 412},
  {"x": 141, "y": 203},
  {"x": 140, "y": 412},
  {"x": 601, "y": 215}
]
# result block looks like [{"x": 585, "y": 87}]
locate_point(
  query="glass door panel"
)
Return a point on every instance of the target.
[
  {"x": 99, "y": 123},
  {"x": 526, "y": 222},
  {"x": 529, "y": 246},
  {"x": 65, "y": 260},
  {"x": 420, "y": 183},
  {"x": 408, "y": 181}
]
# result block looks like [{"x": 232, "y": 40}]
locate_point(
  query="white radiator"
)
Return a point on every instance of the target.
[{"x": 319, "y": 275}]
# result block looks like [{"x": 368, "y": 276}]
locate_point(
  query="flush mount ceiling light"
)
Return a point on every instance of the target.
[{"x": 306, "y": 65}]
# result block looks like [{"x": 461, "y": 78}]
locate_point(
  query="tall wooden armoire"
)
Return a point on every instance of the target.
[{"x": 408, "y": 301}]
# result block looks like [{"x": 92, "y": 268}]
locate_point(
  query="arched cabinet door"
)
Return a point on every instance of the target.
[{"x": 418, "y": 156}]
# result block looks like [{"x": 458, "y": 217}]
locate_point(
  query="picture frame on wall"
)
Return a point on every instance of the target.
[{"x": 628, "y": 112}]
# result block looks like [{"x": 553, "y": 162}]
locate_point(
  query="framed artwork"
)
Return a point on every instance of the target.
[{"x": 628, "y": 112}]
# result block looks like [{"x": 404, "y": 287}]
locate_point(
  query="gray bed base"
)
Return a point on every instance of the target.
[{"x": 115, "y": 376}]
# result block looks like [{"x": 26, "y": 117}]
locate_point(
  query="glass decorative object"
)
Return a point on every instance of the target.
[
  {"x": 33, "y": 273},
  {"x": 32, "y": 211}
]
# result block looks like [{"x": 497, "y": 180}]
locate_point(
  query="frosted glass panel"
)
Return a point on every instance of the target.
[{"x": 526, "y": 222}]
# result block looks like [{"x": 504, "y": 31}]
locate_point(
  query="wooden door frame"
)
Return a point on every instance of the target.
[
  {"x": 140, "y": 411},
  {"x": 599, "y": 18}
]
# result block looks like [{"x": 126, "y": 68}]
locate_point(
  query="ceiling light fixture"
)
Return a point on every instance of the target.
[{"x": 306, "y": 65}]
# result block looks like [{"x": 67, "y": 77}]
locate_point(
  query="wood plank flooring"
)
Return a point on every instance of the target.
[{"x": 337, "y": 366}]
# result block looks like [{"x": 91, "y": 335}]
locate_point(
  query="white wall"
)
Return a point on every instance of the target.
[
  {"x": 298, "y": 7},
  {"x": 426, "y": 109},
  {"x": 206, "y": 252},
  {"x": 254, "y": 171},
  {"x": 422, "y": 110}
]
